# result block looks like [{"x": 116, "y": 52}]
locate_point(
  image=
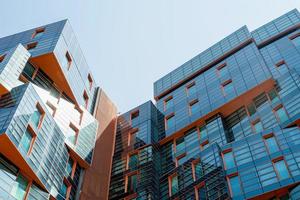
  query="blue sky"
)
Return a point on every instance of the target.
[{"x": 129, "y": 44}]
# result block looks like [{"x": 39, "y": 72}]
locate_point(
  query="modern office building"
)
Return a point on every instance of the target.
[
  {"x": 53, "y": 117},
  {"x": 225, "y": 124}
]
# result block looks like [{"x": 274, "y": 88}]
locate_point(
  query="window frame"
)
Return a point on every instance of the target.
[
  {"x": 136, "y": 172},
  {"x": 2, "y": 57},
  {"x": 130, "y": 135},
  {"x": 170, "y": 178},
  {"x": 42, "y": 115},
  {"x": 270, "y": 135},
  {"x": 279, "y": 159},
  {"x": 192, "y": 103},
  {"x": 33, "y": 134},
  {"x": 170, "y": 98},
  {"x": 52, "y": 107},
  {"x": 224, "y": 84},
  {"x": 256, "y": 121},
  {"x": 69, "y": 59},
  {"x": 188, "y": 87},
  {"x": 197, "y": 187},
  {"x": 194, "y": 163},
  {"x": 167, "y": 118},
  {"x": 38, "y": 31},
  {"x": 229, "y": 150},
  {"x": 275, "y": 110},
  {"x": 220, "y": 67},
  {"x": 128, "y": 158},
  {"x": 91, "y": 82},
  {"x": 134, "y": 114},
  {"x": 228, "y": 177},
  {"x": 31, "y": 45},
  {"x": 86, "y": 99}
]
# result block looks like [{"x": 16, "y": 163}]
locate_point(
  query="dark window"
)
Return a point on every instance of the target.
[
  {"x": 2, "y": 57},
  {"x": 134, "y": 116},
  {"x": 174, "y": 184},
  {"x": 281, "y": 114},
  {"x": 29, "y": 70},
  {"x": 31, "y": 46},
  {"x": 273, "y": 95},
  {"x": 68, "y": 60},
  {"x": 260, "y": 100},
  {"x": 258, "y": 126},
  {"x": 251, "y": 109},
  {"x": 132, "y": 183},
  {"x": 133, "y": 161},
  {"x": 86, "y": 99},
  {"x": 90, "y": 79}
]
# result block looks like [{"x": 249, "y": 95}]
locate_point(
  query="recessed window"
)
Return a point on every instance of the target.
[
  {"x": 257, "y": 126},
  {"x": 52, "y": 108},
  {"x": 273, "y": 95},
  {"x": 191, "y": 89},
  {"x": 37, "y": 116},
  {"x": 203, "y": 132},
  {"x": 68, "y": 60},
  {"x": 296, "y": 40},
  {"x": 65, "y": 189},
  {"x": 271, "y": 143},
  {"x": 19, "y": 188},
  {"x": 194, "y": 107},
  {"x": 131, "y": 136},
  {"x": 90, "y": 79},
  {"x": 251, "y": 109},
  {"x": 133, "y": 161},
  {"x": 134, "y": 116},
  {"x": 131, "y": 182},
  {"x": 223, "y": 70},
  {"x": 180, "y": 146},
  {"x": 197, "y": 169},
  {"x": 170, "y": 121},
  {"x": 38, "y": 33},
  {"x": 180, "y": 159},
  {"x": 282, "y": 67},
  {"x": 86, "y": 99},
  {"x": 228, "y": 88},
  {"x": 2, "y": 57},
  {"x": 200, "y": 193},
  {"x": 31, "y": 46},
  {"x": 27, "y": 140},
  {"x": 234, "y": 185},
  {"x": 173, "y": 184},
  {"x": 70, "y": 165},
  {"x": 281, "y": 169},
  {"x": 73, "y": 134},
  {"x": 168, "y": 103},
  {"x": 281, "y": 114},
  {"x": 228, "y": 159}
]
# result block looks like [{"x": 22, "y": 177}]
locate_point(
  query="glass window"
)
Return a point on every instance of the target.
[
  {"x": 203, "y": 132},
  {"x": 168, "y": 103},
  {"x": 90, "y": 81},
  {"x": 191, "y": 89},
  {"x": 223, "y": 71},
  {"x": 273, "y": 96},
  {"x": 26, "y": 141},
  {"x": 73, "y": 134},
  {"x": 258, "y": 127},
  {"x": 281, "y": 114},
  {"x": 2, "y": 57},
  {"x": 36, "y": 117},
  {"x": 180, "y": 146},
  {"x": 29, "y": 70},
  {"x": 174, "y": 184},
  {"x": 251, "y": 109},
  {"x": 132, "y": 183},
  {"x": 228, "y": 160},
  {"x": 68, "y": 60},
  {"x": 133, "y": 161},
  {"x": 134, "y": 116},
  {"x": 19, "y": 188},
  {"x": 296, "y": 41},
  {"x": 271, "y": 144},
  {"x": 201, "y": 194},
  {"x": 64, "y": 190},
  {"x": 194, "y": 107},
  {"x": 86, "y": 99},
  {"x": 197, "y": 170},
  {"x": 235, "y": 187},
  {"x": 282, "y": 68},
  {"x": 69, "y": 168},
  {"x": 31, "y": 46},
  {"x": 228, "y": 88},
  {"x": 170, "y": 121},
  {"x": 38, "y": 32},
  {"x": 281, "y": 170}
]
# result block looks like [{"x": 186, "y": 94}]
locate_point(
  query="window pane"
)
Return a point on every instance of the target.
[
  {"x": 282, "y": 115},
  {"x": 272, "y": 145},
  {"x": 251, "y": 109},
  {"x": 72, "y": 135},
  {"x": 64, "y": 190},
  {"x": 19, "y": 188},
  {"x": 198, "y": 171},
  {"x": 170, "y": 122},
  {"x": 180, "y": 146},
  {"x": 282, "y": 69},
  {"x": 201, "y": 193},
  {"x": 26, "y": 141},
  {"x": 223, "y": 71},
  {"x": 194, "y": 108},
  {"x": 133, "y": 161},
  {"x": 235, "y": 186},
  {"x": 174, "y": 185},
  {"x": 203, "y": 132},
  {"x": 228, "y": 89},
  {"x": 296, "y": 41},
  {"x": 191, "y": 90},
  {"x": 132, "y": 183},
  {"x": 229, "y": 160},
  {"x": 273, "y": 96},
  {"x": 69, "y": 166},
  {"x": 281, "y": 169},
  {"x": 35, "y": 118},
  {"x": 168, "y": 103},
  {"x": 258, "y": 127}
]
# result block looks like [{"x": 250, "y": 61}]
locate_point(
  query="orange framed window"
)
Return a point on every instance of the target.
[
  {"x": 227, "y": 87},
  {"x": 133, "y": 161},
  {"x": 65, "y": 189},
  {"x": 194, "y": 107},
  {"x": 80, "y": 112},
  {"x": 170, "y": 121},
  {"x": 295, "y": 39},
  {"x": 168, "y": 102},
  {"x": 90, "y": 79},
  {"x": 204, "y": 145},
  {"x": 273, "y": 95},
  {"x": 31, "y": 45},
  {"x": 281, "y": 168},
  {"x": 173, "y": 184},
  {"x": 38, "y": 32},
  {"x": 71, "y": 166},
  {"x": 257, "y": 126},
  {"x": 27, "y": 140},
  {"x": 197, "y": 169},
  {"x": 132, "y": 136},
  {"x": 281, "y": 114},
  {"x": 37, "y": 117},
  {"x": 228, "y": 159},
  {"x": 73, "y": 134},
  {"x": 180, "y": 159},
  {"x": 21, "y": 187},
  {"x": 131, "y": 182},
  {"x": 200, "y": 192},
  {"x": 234, "y": 184},
  {"x": 2, "y": 57},
  {"x": 134, "y": 116},
  {"x": 282, "y": 67},
  {"x": 191, "y": 89},
  {"x": 222, "y": 70},
  {"x": 271, "y": 143}
]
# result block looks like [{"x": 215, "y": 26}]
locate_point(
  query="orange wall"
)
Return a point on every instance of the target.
[{"x": 97, "y": 178}]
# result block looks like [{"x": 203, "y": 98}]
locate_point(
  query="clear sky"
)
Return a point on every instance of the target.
[{"x": 129, "y": 44}]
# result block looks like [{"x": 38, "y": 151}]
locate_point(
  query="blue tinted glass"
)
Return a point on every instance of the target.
[
  {"x": 203, "y": 132},
  {"x": 258, "y": 127},
  {"x": 69, "y": 166},
  {"x": 272, "y": 145},
  {"x": 201, "y": 193},
  {"x": 282, "y": 115},
  {"x": 296, "y": 41},
  {"x": 35, "y": 118},
  {"x": 194, "y": 108},
  {"x": 229, "y": 160},
  {"x": 174, "y": 185},
  {"x": 228, "y": 89},
  {"x": 133, "y": 161},
  {"x": 170, "y": 122},
  {"x": 282, "y": 69},
  {"x": 168, "y": 103},
  {"x": 63, "y": 190},
  {"x": 132, "y": 183},
  {"x": 19, "y": 188},
  {"x": 281, "y": 169},
  {"x": 235, "y": 186},
  {"x": 198, "y": 171},
  {"x": 191, "y": 90},
  {"x": 223, "y": 71},
  {"x": 26, "y": 141}
]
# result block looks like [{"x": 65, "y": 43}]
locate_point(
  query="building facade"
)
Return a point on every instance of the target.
[
  {"x": 225, "y": 124},
  {"x": 53, "y": 117}
]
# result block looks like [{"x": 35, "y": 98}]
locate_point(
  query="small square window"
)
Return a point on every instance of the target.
[
  {"x": 203, "y": 133},
  {"x": 68, "y": 59},
  {"x": 90, "y": 79},
  {"x": 173, "y": 184},
  {"x": 170, "y": 121},
  {"x": 31, "y": 46},
  {"x": 168, "y": 103},
  {"x": 228, "y": 88},
  {"x": 2, "y": 57},
  {"x": 271, "y": 144},
  {"x": 38, "y": 33},
  {"x": 281, "y": 114},
  {"x": 257, "y": 126},
  {"x": 281, "y": 169},
  {"x": 281, "y": 67},
  {"x": 194, "y": 107},
  {"x": 73, "y": 134},
  {"x": 234, "y": 185},
  {"x": 86, "y": 99},
  {"x": 191, "y": 89},
  {"x": 223, "y": 70}
]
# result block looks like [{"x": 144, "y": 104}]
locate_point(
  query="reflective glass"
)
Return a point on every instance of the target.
[
  {"x": 174, "y": 185},
  {"x": 132, "y": 183},
  {"x": 133, "y": 161},
  {"x": 168, "y": 103},
  {"x": 223, "y": 71},
  {"x": 296, "y": 41},
  {"x": 170, "y": 122},
  {"x": 64, "y": 190},
  {"x": 191, "y": 90},
  {"x": 19, "y": 188},
  {"x": 228, "y": 160},
  {"x": 258, "y": 127},
  {"x": 282, "y": 114},
  {"x": 272, "y": 145},
  {"x": 26, "y": 141},
  {"x": 235, "y": 186},
  {"x": 281, "y": 170},
  {"x": 228, "y": 88},
  {"x": 35, "y": 118}
]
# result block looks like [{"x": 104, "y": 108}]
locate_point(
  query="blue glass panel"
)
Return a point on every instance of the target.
[
  {"x": 281, "y": 169},
  {"x": 174, "y": 185},
  {"x": 229, "y": 160},
  {"x": 235, "y": 186},
  {"x": 170, "y": 122},
  {"x": 296, "y": 41},
  {"x": 26, "y": 141},
  {"x": 35, "y": 118},
  {"x": 258, "y": 127},
  {"x": 282, "y": 114},
  {"x": 272, "y": 145},
  {"x": 19, "y": 188}
]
